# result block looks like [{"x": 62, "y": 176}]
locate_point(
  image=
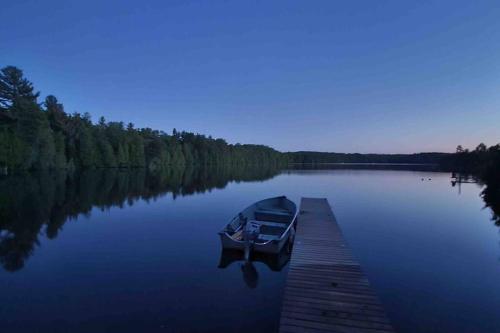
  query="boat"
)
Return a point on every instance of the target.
[{"x": 265, "y": 226}]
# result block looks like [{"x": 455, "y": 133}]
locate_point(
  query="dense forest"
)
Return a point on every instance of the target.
[
  {"x": 320, "y": 157},
  {"x": 481, "y": 160},
  {"x": 38, "y": 136}
]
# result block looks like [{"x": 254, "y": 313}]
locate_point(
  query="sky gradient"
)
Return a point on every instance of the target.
[{"x": 350, "y": 76}]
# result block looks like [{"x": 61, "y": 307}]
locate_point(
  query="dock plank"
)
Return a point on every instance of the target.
[{"x": 326, "y": 289}]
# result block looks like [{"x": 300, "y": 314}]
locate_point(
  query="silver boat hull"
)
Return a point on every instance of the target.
[{"x": 273, "y": 245}]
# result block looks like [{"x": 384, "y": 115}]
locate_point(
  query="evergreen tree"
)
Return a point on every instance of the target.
[
  {"x": 13, "y": 87},
  {"x": 55, "y": 113}
]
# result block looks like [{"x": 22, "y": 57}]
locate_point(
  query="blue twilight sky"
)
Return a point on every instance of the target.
[{"x": 345, "y": 76}]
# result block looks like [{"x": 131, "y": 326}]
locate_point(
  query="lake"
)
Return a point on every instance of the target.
[{"x": 127, "y": 251}]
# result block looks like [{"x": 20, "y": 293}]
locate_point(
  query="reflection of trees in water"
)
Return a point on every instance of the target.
[
  {"x": 35, "y": 203},
  {"x": 491, "y": 196},
  {"x": 490, "y": 193},
  {"x": 484, "y": 164}
]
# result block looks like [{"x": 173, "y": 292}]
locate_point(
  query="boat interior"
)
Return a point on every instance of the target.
[{"x": 268, "y": 221}]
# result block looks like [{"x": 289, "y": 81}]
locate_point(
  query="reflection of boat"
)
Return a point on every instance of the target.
[
  {"x": 264, "y": 226},
  {"x": 250, "y": 274},
  {"x": 275, "y": 262}
]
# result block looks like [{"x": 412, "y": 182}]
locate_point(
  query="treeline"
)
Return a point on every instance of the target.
[
  {"x": 40, "y": 203},
  {"x": 39, "y": 136},
  {"x": 479, "y": 161},
  {"x": 320, "y": 157}
]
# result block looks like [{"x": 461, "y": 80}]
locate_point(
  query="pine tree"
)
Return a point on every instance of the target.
[
  {"x": 13, "y": 87},
  {"x": 55, "y": 113}
]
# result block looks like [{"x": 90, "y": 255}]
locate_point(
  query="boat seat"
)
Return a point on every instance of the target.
[
  {"x": 273, "y": 210},
  {"x": 272, "y": 215},
  {"x": 270, "y": 224},
  {"x": 265, "y": 237}
]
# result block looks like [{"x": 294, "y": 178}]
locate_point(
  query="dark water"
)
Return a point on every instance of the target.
[{"x": 109, "y": 251}]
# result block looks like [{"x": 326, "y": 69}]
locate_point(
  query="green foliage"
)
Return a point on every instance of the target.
[
  {"x": 87, "y": 148},
  {"x": 40, "y": 137},
  {"x": 10, "y": 146},
  {"x": 60, "y": 151},
  {"x": 123, "y": 156},
  {"x": 44, "y": 148}
]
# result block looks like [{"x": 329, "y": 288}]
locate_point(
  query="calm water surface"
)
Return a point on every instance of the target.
[{"x": 129, "y": 252}]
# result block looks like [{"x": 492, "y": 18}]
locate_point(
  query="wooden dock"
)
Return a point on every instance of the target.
[{"x": 326, "y": 290}]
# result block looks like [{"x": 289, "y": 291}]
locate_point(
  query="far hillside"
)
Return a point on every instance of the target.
[{"x": 320, "y": 157}]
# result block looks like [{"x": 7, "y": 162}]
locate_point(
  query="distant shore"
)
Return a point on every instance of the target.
[{"x": 364, "y": 163}]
